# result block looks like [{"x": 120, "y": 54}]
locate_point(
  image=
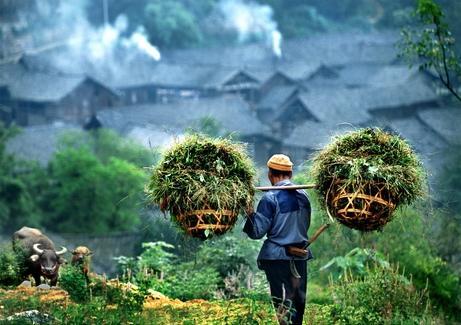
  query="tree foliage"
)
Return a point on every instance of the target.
[
  {"x": 90, "y": 196},
  {"x": 432, "y": 46},
  {"x": 16, "y": 197},
  {"x": 170, "y": 24},
  {"x": 93, "y": 184},
  {"x": 106, "y": 144}
]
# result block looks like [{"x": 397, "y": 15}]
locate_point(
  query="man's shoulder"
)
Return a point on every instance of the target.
[{"x": 270, "y": 195}]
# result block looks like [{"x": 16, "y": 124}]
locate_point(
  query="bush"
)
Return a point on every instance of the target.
[
  {"x": 95, "y": 311},
  {"x": 72, "y": 279},
  {"x": 153, "y": 269},
  {"x": 187, "y": 281},
  {"x": 128, "y": 297},
  {"x": 155, "y": 257},
  {"x": 227, "y": 254},
  {"x": 381, "y": 296},
  {"x": 11, "y": 266},
  {"x": 409, "y": 245},
  {"x": 318, "y": 294}
]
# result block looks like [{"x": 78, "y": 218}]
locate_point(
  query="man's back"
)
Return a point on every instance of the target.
[{"x": 282, "y": 215}]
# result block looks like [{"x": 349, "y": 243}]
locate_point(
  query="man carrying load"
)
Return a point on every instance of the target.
[{"x": 284, "y": 217}]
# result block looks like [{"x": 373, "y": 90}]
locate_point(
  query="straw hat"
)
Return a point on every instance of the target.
[{"x": 280, "y": 162}]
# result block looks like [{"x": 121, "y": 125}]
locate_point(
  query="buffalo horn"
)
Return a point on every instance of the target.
[
  {"x": 62, "y": 251},
  {"x": 36, "y": 249}
]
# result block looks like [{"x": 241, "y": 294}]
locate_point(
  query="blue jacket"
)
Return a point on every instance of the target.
[{"x": 284, "y": 217}]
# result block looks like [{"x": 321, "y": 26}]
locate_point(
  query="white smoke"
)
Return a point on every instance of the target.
[
  {"x": 140, "y": 40},
  {"x": 62, "y": 35},
  {"x": 102, "y": 43},
  {"x": 277, "y": 43},
  {"x": 252, "y": 20}
]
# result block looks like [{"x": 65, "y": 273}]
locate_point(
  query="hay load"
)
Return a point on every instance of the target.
[
  {"x": 364, "y": 175},
  {"x": 204, "y": 183}
]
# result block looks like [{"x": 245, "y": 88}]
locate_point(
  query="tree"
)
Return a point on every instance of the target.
[
  {"x": 170, "y": 24},
  {"x": 434, "y": 46},
  {"x": 17, "y": 206},
  {"x": 96, "y": 183},
  {"x": 105, "y": 144},
  {"x": 206, "y": 125},
  {"x": 88, "y": 196}
]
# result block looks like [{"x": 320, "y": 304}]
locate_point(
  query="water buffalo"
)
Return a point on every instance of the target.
[
  {"x": 41, "y": 257},
  {"x": 81, "y": 257}
]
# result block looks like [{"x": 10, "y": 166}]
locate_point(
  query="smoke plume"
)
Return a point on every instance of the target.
[
  {"x": 103, "y": 43},
  {"x": 252, "y": 20},
  {"x": 81, "y": 47}
]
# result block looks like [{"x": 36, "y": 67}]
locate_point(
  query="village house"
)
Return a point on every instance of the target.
[
  {"x": 41, "y": 98},
  {"x": 319, "y": 86},
  {"x": 39, "y": 142},
  {"x": 162, "y": 83},
  {"x": 230, "y": 113}
]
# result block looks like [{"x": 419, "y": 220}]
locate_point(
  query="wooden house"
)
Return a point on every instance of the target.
[
  {"x": 41, "y": 98},
  {"x": 231, "y": 113}
]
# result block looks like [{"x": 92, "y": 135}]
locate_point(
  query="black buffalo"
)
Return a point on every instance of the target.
[{"x": 41, "y": 257}]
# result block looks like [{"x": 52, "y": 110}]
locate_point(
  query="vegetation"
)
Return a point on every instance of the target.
[
  {"x": 84, "y": 187},
  {"x": 169, "y": 22},
  {"x": 193, "y": 23},
  {"x": 203, "y": 173},
  {"x": 94, "y": 179},
  {"x": 378, "y": 295},
  {"x": 106, "y": 144},
  {"x": 382, "y": 296},
  {"x": 11, "y": 266},
  {"x": 16, "y": 199},
  {"x": 73, "y": 280},
  {"x": 433, "y": 46}
]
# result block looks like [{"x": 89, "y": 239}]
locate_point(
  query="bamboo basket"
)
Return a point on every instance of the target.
[
  {"x": 366, "y": 206},
  {"x": 197, "y": 222}
]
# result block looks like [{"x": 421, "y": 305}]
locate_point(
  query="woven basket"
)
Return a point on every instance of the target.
[
  {"x": 366, "y": 207},
  {"x": 197, "y": 222}
]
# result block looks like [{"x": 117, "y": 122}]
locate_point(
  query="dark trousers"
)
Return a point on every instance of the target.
[{"x": 290, "y": 309}]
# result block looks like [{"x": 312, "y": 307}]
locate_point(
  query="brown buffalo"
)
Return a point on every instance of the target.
[{"x": 81, "y": 257}]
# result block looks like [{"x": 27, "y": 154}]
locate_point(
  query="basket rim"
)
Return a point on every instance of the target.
[
  {"x": 389, "y": 204},
  {"x": 205, "y": 226},
  {"x": 211, "y": 211}
]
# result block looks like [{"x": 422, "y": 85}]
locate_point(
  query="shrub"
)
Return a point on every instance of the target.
[
  {"x": 381, "y": 296},
  {"x": 188, "y": 281},
  {"x": 73, "y": 280},
  {"x": 11, "y": 266},
  {"x": 227, "y": 254},
  {"x": 127, "y": 267},
  {"x": 127, "y": 296},
  {"x": 155, "y": 257}
]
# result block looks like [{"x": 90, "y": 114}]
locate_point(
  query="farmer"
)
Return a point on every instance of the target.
[{"x": 284, "y": 217}]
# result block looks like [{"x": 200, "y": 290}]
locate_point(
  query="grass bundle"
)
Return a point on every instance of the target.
[
  {"x": 365, "y": 175},
  {"x": 204, "y": 183}
]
